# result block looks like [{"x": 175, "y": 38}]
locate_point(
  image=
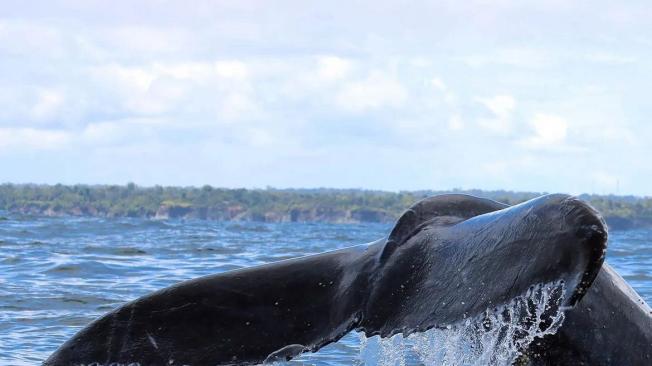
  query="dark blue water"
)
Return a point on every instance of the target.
[{"x": 57, "y": 274}]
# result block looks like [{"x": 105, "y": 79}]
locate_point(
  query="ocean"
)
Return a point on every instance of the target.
[{"x": 58, "y": 274}]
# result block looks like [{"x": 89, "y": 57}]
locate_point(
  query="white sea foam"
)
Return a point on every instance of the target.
[{"x": 496, "y": 337}]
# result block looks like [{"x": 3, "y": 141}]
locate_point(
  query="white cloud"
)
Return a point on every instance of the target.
[
  {"x": 259, "y": 137},
  {"x": 378, "y": 90},
  {"x": 232, "y": 69},
  {"x": 32, "y": 139},
  {"x": 48, "y": 104},
  {"x": 438, "y": 83},
  {"x": 118, "y": 132},
  {"x": 528, "y": 58},
  {"x": 605, "y": 179},
  {"x": 201, "y": 72},
  {"x": 496, "y": 168},
  {"x": 128, "y": 79},
  {"x": 449, "y": 97},
  {"x": 129, "y": 39},
  {"x": 205, "y": 90},
  {"x": 611, "y": 58},
  {"x": 549, "y": 128},
  {"x": 234, "y": 106},
  {"x": 502, "y": 107},
  {"x": 128, "y": 89},
  {"x": 332, "y": 68},
  {"x": 503, "y": 166},
  {"x": 549, "y": 132},
  {"x": 455, "y": 122},
  {"x": 19, "y": 37},
  {"x": 192, "y": 71}
]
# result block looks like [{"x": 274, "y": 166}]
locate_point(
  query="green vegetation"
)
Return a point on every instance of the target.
[{"x": 329, "y": 205}]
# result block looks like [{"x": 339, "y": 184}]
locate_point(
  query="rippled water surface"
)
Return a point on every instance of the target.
[{"x": 57, "y": 274}]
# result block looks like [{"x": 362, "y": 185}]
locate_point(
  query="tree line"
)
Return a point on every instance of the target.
[{"x": 270, "y": 204}]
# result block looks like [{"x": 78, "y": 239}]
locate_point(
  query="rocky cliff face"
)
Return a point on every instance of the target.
[
  {"x": 170, "y": 212},
  {"x": 241, "y": 213}
]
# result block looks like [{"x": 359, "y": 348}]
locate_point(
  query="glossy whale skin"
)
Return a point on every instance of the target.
[
  {"x": 611, "y": 325},
  {"x": 439, "y": 248}
]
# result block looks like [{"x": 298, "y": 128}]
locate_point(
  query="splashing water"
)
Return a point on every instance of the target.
[{"x": 496, "y": 337}]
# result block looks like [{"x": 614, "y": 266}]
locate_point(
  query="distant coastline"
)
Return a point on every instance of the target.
[{"x": 268, "y": 205}]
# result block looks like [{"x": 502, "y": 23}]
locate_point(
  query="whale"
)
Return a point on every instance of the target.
[
  {"x": 449, "y": 257},
  {"x": 611, "y": 325}
]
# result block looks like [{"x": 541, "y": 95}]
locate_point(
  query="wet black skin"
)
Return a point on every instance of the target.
[
  {"x": 448, "y": 257},
  {"x": 611, "y": 325}
]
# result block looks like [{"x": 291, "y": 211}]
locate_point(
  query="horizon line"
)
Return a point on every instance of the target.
[{"x": 324, "y": 188}]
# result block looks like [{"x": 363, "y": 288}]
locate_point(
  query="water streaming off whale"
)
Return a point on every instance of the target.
[{"x": 496, "y": 337}]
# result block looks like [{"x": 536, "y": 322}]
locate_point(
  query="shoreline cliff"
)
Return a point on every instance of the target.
[{"x": 268, "y": 205}]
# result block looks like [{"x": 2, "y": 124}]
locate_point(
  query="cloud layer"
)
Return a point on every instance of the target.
[{"x": 501, "y": 95}]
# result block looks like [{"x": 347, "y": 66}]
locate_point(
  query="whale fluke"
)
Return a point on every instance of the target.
[
  {"x": 448, "y": 257},
  {"x": 611, "y": 325}
]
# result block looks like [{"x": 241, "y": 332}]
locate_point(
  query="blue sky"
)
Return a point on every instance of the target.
[{"x": 538, "y": 96}]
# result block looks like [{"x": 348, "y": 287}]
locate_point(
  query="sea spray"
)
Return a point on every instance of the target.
[{"x": 496, "y": 337}]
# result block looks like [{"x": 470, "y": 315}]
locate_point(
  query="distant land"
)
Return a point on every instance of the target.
[{"x": 268, "y": 205}]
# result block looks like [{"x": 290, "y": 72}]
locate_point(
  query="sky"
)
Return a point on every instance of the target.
[{"x": 547, "y": 96}]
